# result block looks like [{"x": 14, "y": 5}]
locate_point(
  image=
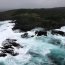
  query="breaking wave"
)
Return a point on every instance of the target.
[{"x": 37, "y": 50}]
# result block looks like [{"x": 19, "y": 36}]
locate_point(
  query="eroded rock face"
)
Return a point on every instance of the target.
[
  {"x": 8, "y": 47},
  {"x": 58, "y": 32}
]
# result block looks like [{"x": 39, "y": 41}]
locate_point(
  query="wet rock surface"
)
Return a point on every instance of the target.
[
  {"x": 8, "y": 47},
  {"x": 3, "y": 54},
  {"x": 40, "y": 33},
  {"x": 26, "y": 35},
  {"x": 58, "y": 32},
  {"x": 43, "y": 32}
]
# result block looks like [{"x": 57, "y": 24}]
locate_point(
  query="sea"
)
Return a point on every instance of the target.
[{"x": 37, "y": 50}]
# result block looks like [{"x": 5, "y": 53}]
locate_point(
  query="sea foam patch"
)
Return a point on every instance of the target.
[{"x": 37, "y": 50}]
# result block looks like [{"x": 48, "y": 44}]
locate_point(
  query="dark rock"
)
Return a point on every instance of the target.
[
  {"x": 3, "y": 54},
  {"x": 15, "y": 54},
  {"x": 9, "y": 51},
  {"x": 58, "y": 32},
  {"x": 51, "y": 18},
  {"x": 10, "y": 40},
  {"x": 39, "y": 33},
  {"x": 25, "y": 35},
  {"x": 8, "y": 47},
  {"x": 16, "y": 45},
  {"x": 8, "y": 43},
  {"x": 32, "y": 36}
]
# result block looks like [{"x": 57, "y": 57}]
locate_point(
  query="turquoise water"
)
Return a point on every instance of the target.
[{"x": 42, "y": 50}]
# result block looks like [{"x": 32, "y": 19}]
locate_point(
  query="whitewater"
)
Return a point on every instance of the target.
[{"x": 37, "y": 50}]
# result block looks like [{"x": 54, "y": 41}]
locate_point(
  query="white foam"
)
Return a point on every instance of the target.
[{"x": 35, "y": 44}]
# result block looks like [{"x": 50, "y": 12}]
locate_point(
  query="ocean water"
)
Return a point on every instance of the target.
[{"x": 37, "y": 50}]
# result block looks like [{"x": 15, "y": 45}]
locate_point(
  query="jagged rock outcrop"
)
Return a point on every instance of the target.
[
  {"x": 8, "y": 47},
  {"x": 58, "y": 32}
]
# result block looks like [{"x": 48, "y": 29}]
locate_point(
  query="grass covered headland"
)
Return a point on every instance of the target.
[{"x": 27, "y": 19}]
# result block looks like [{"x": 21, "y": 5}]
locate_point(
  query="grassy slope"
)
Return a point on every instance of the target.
[{"x": 27, "y": 19}]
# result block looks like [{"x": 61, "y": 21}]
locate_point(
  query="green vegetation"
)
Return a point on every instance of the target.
[{"x": 27, "y": 19}]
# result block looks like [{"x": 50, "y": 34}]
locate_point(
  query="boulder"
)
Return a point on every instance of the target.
[
  {"x": 40, "y": 33},
  {"x": 25, "y": 35}
]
